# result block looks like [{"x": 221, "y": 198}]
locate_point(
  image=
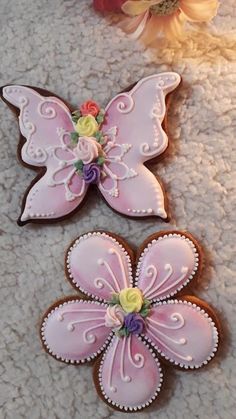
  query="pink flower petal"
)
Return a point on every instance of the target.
[
  {"x": 130, "y": 376},
  {"x": 166, "y": 265},
  {"x": 182, "y": 332},
  {"x": 98, "y": 265},
  {"x": 75, "y": 331}
]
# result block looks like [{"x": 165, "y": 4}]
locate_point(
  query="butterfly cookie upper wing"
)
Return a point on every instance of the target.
[
  {"x": 45, "y": 123},
  {"x": 133, "y": 125}
]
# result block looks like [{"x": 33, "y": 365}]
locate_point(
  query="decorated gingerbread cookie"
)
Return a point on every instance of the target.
[
  {"x": 73, "y": 149},
  {"x": 130, "y": 324}
]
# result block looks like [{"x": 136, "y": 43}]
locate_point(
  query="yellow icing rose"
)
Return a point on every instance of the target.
[
  {"x": 87, "y": 126},
  {"x": 131, "y": 299}
]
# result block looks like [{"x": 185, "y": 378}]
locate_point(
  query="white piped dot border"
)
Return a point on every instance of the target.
[
  {"x": 123, "y": 407},
  {"x": 89, "y": 236},
  {"x": 58, "y": 357},
  {"x": 189, "y": 278},
  {"x": 215, "y": 334}
]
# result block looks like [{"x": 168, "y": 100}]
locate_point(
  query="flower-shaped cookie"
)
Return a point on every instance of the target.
[{"x": 133, "y": 321}]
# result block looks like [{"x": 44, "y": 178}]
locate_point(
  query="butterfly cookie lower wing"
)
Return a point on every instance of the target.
[{"x": 45, "y": 123}]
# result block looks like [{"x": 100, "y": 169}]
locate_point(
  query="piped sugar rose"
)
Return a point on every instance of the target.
[
  {"x": 134, "y": 323},
  {"x": 87, "y": 126},
  {"x": 114, "y": 317},
  {"x": 131, "y": 299},
  {"x": 88, "y": 149},
  {"x": 91, "y": 173},
  {"x": 89, "y": 108}
]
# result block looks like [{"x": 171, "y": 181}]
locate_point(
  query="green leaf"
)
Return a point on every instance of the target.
[
  {"x": 101, "y": 116},
  {"x": 74, "y": 137},
  {"x": 77, "y": 113},
  {"x": 99, "y": 137},
  {"x": 100, "y": 160},
  {"x": 145, "y": 308},
  {"x": 115, "y": 299},
  {"x": 79, "y": 165},
  {"x": 144, "y": 312},
  {"x": 123, "y": 332},
  {"x": 75, "y": 119},
  {"x": 146, "y": 303}
]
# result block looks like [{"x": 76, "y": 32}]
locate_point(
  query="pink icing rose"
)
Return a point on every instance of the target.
[
  {"x": 89, "y": 108},
  {"x": 114, "y": 317},
  {"x": 88, "y": 149}
]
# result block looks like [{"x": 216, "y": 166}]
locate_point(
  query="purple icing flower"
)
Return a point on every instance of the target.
[
  {"x": 91, "y": 173},
  {"x": 134, "y": 323}
]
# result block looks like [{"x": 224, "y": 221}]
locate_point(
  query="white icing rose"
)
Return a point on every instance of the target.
[
  {"x": 88, "y": 149},
  {"x": 114, "y": 317}
]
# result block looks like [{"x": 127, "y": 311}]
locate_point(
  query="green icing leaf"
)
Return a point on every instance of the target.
[
  {"x": 144, "y": 312},
  {"x": 122, "y": 332},
  {"x": 75, "y": 119},
  {"x": 79, "y": 166},
  {"x": 100, "y": 160},
  {"x": 146, "y": 303},
  {"x": 99, "y": 137},
  {"x": 74, "y": 137},
  {"x": 115, "y": 299},
  {"x": 77, "y": 113},
  {"x": 100, "y": 117},
  {"x": 145, "y": 308}
]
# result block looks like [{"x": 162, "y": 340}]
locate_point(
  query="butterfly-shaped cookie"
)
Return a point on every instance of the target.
[{"x": 71, "y": 150}]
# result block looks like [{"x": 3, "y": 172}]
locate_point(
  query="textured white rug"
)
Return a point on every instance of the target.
[{"x": 64, "y": 47}]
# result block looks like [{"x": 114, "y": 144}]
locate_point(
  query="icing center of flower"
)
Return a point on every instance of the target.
[
  {"x": 165, "y": 7},
  {"x": 127, "y": 311},
  {"x": 87, "y": 141}
]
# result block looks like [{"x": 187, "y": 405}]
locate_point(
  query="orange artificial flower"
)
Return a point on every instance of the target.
[{"x": 149, "y": 18}]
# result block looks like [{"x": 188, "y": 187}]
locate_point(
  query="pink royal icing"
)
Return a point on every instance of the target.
[
  {"x": 178, "y": 330},
  {"x": 133, "y": 134}
]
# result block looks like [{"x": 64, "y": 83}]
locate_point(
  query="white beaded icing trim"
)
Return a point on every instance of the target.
[
  {"x": 141, "y": 211},
  {"x": 71, "y": 361},
  {"x": 214, "y": 330},
  {"x": 129, "y": 408},
  {"x": 85, "y": 237},
  {"x": 190, "y": 277}
]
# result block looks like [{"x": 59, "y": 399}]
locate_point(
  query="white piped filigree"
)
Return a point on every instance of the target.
[
  {"x": 112, "y": 159},
  {"x": 45, "y": 110}
]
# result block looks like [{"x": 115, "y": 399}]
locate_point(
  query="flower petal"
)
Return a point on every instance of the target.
[
  {"x": 75, "y": 331},
  {"x": 182, "y": 332},
  {"x": 135, "y": 8},
  {"x": 167, "y": 263},
  {"x": 129, "y": 374},
  {"x": 172, "y": 25},
  {"x": 199, "y": 10},
  {"x": 99, "y": 265},
  {"x": 108, "y": 5}
]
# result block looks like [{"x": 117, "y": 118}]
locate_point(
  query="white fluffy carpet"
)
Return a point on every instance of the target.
[{"x": 65, "y": 47}]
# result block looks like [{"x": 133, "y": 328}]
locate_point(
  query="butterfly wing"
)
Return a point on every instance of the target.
[
  {"x": 133, "y": 126},
  {"x": 45, "y": 123}
]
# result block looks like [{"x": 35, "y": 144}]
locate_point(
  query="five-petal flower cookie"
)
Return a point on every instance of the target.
[
  {"x": 71, "y": 150},
  {"x": 135, "y": 322}
]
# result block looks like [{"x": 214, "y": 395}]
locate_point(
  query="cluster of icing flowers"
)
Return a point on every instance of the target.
[
  {"x": 87, "y": 141},
  {"x": 126, "y": 312}
]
